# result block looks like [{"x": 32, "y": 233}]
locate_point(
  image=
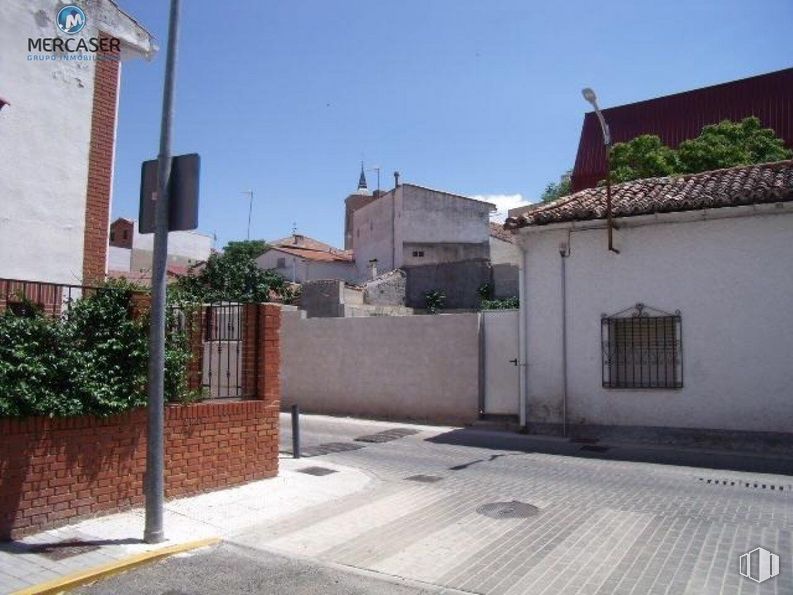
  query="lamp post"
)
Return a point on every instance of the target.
[
  {"x": 155, "y": 443},
  {"x": 591, "y": 98}
]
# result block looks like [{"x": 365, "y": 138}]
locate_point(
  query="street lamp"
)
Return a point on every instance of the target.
[{"x": 591, "y": 98}]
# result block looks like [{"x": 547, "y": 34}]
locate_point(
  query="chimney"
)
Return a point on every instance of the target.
[
  {"x": 373, "y": 268},
  {"x": 396, "y": 179},
  {"x": 297, "y": 239}
]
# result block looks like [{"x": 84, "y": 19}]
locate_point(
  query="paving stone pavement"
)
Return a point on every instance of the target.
[{"x": 603, "y": 527}]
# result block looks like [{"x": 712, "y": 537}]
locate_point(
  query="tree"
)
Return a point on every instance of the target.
[
  {"x": 643, "y": 157},
  {"x": 727, "y": 144},
  {"x": 231, "y": 275},
  {"x": 250, "y": 248},
  {"x": 556, "y": 190}
]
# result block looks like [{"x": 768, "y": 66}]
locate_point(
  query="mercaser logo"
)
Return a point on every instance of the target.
[
  {"x": 759, "y": 565},
  {"x": 71, "y": 19}
]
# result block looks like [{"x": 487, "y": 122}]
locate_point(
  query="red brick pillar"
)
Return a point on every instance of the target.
[
  {"x": 270, "y": 356},
  {"x": 261, "y": 353}
]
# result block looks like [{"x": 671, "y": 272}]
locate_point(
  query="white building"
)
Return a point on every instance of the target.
[
  {"x": 58, "y": 129},
  {"x": 299, "y": 258},
  {"x": 688, "y": 326},
  {"x": 132, "y": 251},
  {"x": 412, "y": 225}
]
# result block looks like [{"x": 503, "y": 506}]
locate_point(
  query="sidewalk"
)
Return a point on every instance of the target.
[{"x": 59, "y": 552}]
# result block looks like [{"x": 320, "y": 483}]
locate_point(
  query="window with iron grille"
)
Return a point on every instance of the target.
[{"x": 642, "y": 348}]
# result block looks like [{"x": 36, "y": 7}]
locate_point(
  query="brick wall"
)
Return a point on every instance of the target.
[
  {"x": 100, "y": 170},
  {"x": 53, "y": 471}
]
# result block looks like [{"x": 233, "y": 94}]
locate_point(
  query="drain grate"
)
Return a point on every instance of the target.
[
  {"x": 63, "y": 549},
  {"x": 594, "y": 448},
  {"x": 329, "y": 448},
  {"x": 318, "y": 471},
  {"x": 742, "y": 483},
  {"x": 508, "y": 510},
  {"x": 387, "y": 435},
  {"x": 424, "y": 478}
]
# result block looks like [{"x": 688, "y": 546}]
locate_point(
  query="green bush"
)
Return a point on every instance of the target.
[
  {"x": 434, "y": 300},
  {"x": 511, "y": 303},
  {"x": 91, "y": 361}
]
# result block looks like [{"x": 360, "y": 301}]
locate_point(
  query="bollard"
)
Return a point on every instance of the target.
[{"x": 296, "y": 431}]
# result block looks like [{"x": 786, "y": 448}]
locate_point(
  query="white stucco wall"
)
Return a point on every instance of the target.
[
  {"x": 732, "y": 281},
  {"x": 186, "y": 244},
  {"x": 373, "y": 234},
  {"x": 401, "y": 367},
  {"x": 45, "y": 136},
  {"x": 119, "y": 259}
]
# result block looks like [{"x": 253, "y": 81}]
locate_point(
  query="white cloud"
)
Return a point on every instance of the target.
[{"x": 503, "y": 202}]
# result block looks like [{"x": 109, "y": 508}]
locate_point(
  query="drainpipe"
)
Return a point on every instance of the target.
[
  {"x": 523, "y": 386},
  {"x": 564, "y": 252}
]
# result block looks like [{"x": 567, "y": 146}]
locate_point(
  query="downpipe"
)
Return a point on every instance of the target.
[{"x": 564, "y": 252}]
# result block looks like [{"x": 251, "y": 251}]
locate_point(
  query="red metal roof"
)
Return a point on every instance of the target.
[{"x": 679, "y": 117}]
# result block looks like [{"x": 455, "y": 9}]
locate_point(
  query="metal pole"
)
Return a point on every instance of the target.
[
  {"x": 296, "y": 431},
  {"x": 610, "y": 221},
  {"x": 155, "y": 476},
  {"x": 250, "y": 211}
]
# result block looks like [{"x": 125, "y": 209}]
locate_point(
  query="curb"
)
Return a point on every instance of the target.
[{"x": 70, "y": 581}]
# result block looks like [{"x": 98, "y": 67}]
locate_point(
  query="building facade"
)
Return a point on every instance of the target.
[
  {"x": 299, "y": 258},
  {"x": 59, "y": 130},
  {"x": 688, "y": 326},
  {"x": 412, "y": 225},
  {"x": 132, "y": 251}
]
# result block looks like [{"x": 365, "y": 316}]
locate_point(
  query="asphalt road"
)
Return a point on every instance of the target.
[
  {"x": 229, "y": 568},
  {"x": 489, "y": 512}
]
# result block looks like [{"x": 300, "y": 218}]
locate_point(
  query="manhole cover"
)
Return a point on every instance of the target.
[
  {"x": 424, "y": 478},
  {"x": 63, "y": 549},
  {"x": 594, "y": 448},
  {"x": 328, "y": 448},
  {"x": 387, "y": 435},
  {"x": 318, "y": 471},
  {"x": 508, "y": 510}
]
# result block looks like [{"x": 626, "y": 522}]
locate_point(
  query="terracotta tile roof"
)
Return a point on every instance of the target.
[
  {"x": 735, "y": 186},
  {"x": 497, "y": 231},
  {"x": 311, "y": 249},
  {"x": 316, "y": 255}
]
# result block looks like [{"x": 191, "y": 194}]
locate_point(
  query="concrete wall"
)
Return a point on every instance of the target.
[
  {"x": 505, "y": 261},
  {"x": 415, "y": 367},
  {"x": 731, "y": 279},
  {"x": 459, "y": 280},
  {"x": 431, "y": 216}
]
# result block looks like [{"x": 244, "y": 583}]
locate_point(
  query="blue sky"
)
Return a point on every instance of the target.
[{"x": 474, "y": 97}]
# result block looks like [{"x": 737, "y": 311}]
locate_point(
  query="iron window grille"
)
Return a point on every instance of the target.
[{"x": 642, "y": 348}]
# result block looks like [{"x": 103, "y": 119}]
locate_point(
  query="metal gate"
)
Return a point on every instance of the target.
[
  {"x": 222, "y": 374},
  {"x": 500, "y": 353}
]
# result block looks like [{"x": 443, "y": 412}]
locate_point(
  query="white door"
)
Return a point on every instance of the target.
[{"x": 502, "y": 391}]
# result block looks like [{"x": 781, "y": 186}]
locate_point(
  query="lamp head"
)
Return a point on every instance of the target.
[{"x": 590, "y": 96}]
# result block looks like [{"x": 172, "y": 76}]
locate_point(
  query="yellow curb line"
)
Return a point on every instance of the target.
[{"x": 70, "y": 581}]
